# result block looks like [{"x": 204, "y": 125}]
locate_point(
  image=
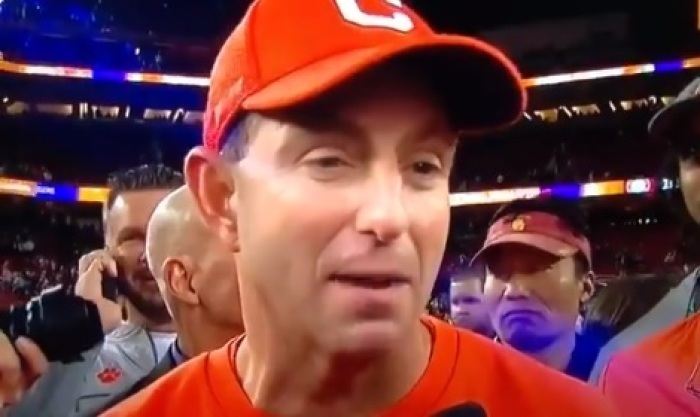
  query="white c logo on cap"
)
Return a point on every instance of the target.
[{"x": 399, "y": 21}]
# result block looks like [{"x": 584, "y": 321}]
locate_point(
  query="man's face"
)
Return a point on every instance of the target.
[
  {"x": 689, "y": 170},
  {"x": 216, "y": 283},
  {"x": 125, "y": 231},
  {"x": 341, "y": 216},
  {"x": 467, "y": 307},
  {"x": 533, "y": 297}
]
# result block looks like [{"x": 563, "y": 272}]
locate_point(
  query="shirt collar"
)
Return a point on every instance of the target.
[{"x": 176, "y": 353}]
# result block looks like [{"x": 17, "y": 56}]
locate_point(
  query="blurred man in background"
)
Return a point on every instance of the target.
[
  {"x": 538, "y": 261},
  {"x": 131, "y": 348},
  {"x": 197, "y": 279},
  {"x": 467, "y": 307},
  {"x": 654, "y": 368}
]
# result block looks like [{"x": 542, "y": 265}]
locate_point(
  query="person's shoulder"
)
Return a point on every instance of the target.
[
  {"x": 673, "y": 344},
  {"x": 676, "y": 336},
  {"x": 535, "y": 387},
  {"x": 123, "y": 331},
  {"x": 173, "y": 391}
]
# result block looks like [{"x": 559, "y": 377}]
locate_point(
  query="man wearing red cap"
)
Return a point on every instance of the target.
[
  {"x": 328, "y": 141},
  {"x": 538, "y": 261}
]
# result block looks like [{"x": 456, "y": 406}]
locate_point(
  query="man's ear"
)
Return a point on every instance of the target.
[
  {"x": 587, "y": 281},
  {"x": 212, "y": 187},
  {"x": 177, "y": 275}
]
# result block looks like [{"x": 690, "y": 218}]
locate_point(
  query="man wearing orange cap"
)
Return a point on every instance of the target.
[{"x": 328, "y": 141}]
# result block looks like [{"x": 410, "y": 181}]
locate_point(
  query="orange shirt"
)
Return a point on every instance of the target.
[
  {"x": 659, "y": 377},
  {"x": 464, "y": 367}
]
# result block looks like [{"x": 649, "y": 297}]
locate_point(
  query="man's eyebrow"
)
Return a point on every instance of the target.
[
  {"x": 433, "y": 131},
  {"x": 321, "y": 119},
  {"x": 466, "y": 298},
  {"x": 130, "y": 233}
]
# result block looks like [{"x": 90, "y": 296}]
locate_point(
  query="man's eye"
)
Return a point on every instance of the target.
[
  {"x": 327, "y": 162},
  {"x": 425, "y": 168}
]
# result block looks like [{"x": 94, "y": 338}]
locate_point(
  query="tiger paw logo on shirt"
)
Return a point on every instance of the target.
[{"x": 109, "y": 375}]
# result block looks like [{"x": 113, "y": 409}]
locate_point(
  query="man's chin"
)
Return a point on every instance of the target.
[
  {"x": 158, "y": 315},
  {"x": 370, "y": 336},
  {"x": 153, "y": 311},
  {"x": 529, "y": 342}
]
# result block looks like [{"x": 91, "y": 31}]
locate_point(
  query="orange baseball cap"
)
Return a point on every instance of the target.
[{"x": 286, "y": 52}]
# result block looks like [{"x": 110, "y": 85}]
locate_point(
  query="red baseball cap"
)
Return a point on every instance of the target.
[
  {"x": 286, "y": 52},
  {"x": 540, "y": 230}
]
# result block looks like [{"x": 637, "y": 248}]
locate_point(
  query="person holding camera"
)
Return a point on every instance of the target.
[{"x": 31, "y": 384}]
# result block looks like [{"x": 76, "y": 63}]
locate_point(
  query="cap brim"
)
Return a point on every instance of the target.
[
  {"x": 544, "y": 243},
  {"x": 481, "y": 88},
  {"x": 666, "y": 122}
]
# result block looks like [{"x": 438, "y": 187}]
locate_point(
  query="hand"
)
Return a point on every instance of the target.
[
  {"x": 19, "y": 368},
  {"x": 92, "y": 269}
]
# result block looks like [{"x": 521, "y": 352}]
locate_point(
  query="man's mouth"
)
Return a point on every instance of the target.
[
  {"x": 144, "y": 277},
  {"x": 376, "y": 282}
]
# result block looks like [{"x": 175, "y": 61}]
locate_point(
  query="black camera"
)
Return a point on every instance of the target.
[{"x": 62, "y": 324}]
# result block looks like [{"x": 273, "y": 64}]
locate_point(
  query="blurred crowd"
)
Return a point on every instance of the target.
[
  {"x": 565, "y": 152},
  {"x": 40, "y": 244},
  {"x": 40, "y": 248},
  {"x": 568, "y": 151}
]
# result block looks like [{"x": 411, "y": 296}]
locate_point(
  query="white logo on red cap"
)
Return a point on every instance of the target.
[{"x": 399, "y": 21}]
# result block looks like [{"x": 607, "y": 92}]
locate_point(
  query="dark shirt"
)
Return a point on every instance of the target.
[
  {"x": 586, "y": 349},
  {"x": 176, "y": 354}
]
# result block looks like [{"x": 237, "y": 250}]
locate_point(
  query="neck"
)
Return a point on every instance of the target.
[
  {"x": 135, "y": 317},
  {"x": 289, "y": 378},
  {"x": 197, "y": 334},
  {"x": 558, "y": 355}
]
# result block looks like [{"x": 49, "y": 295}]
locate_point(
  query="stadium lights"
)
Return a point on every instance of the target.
[
  {"x": 194, "y": 81},
  {"x": 89, "y": 111}
]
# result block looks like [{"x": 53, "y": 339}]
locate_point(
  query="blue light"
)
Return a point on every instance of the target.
[{"x": 669, "y": 66}]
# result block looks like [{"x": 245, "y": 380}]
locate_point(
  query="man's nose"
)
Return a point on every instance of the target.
[
  {"x": 516, "y": 289},
  {"x": 383, "y": 210}
]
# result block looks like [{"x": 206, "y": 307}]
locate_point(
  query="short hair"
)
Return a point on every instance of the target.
[
  {"x": 568, "y": 210},
  {"x": 141, "y": 178},
  {"x": 238, "y": 137}
]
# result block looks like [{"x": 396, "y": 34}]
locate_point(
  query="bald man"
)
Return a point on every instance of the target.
[{"x": 197, "y": 279}]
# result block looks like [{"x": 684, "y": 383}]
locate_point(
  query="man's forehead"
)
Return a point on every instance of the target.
[
  {"x": 138, "y": 199},
  {"x": 465, "y": 282},
  {"x": 134, "y": 206},
  {"x": 404, "y": 111}
]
